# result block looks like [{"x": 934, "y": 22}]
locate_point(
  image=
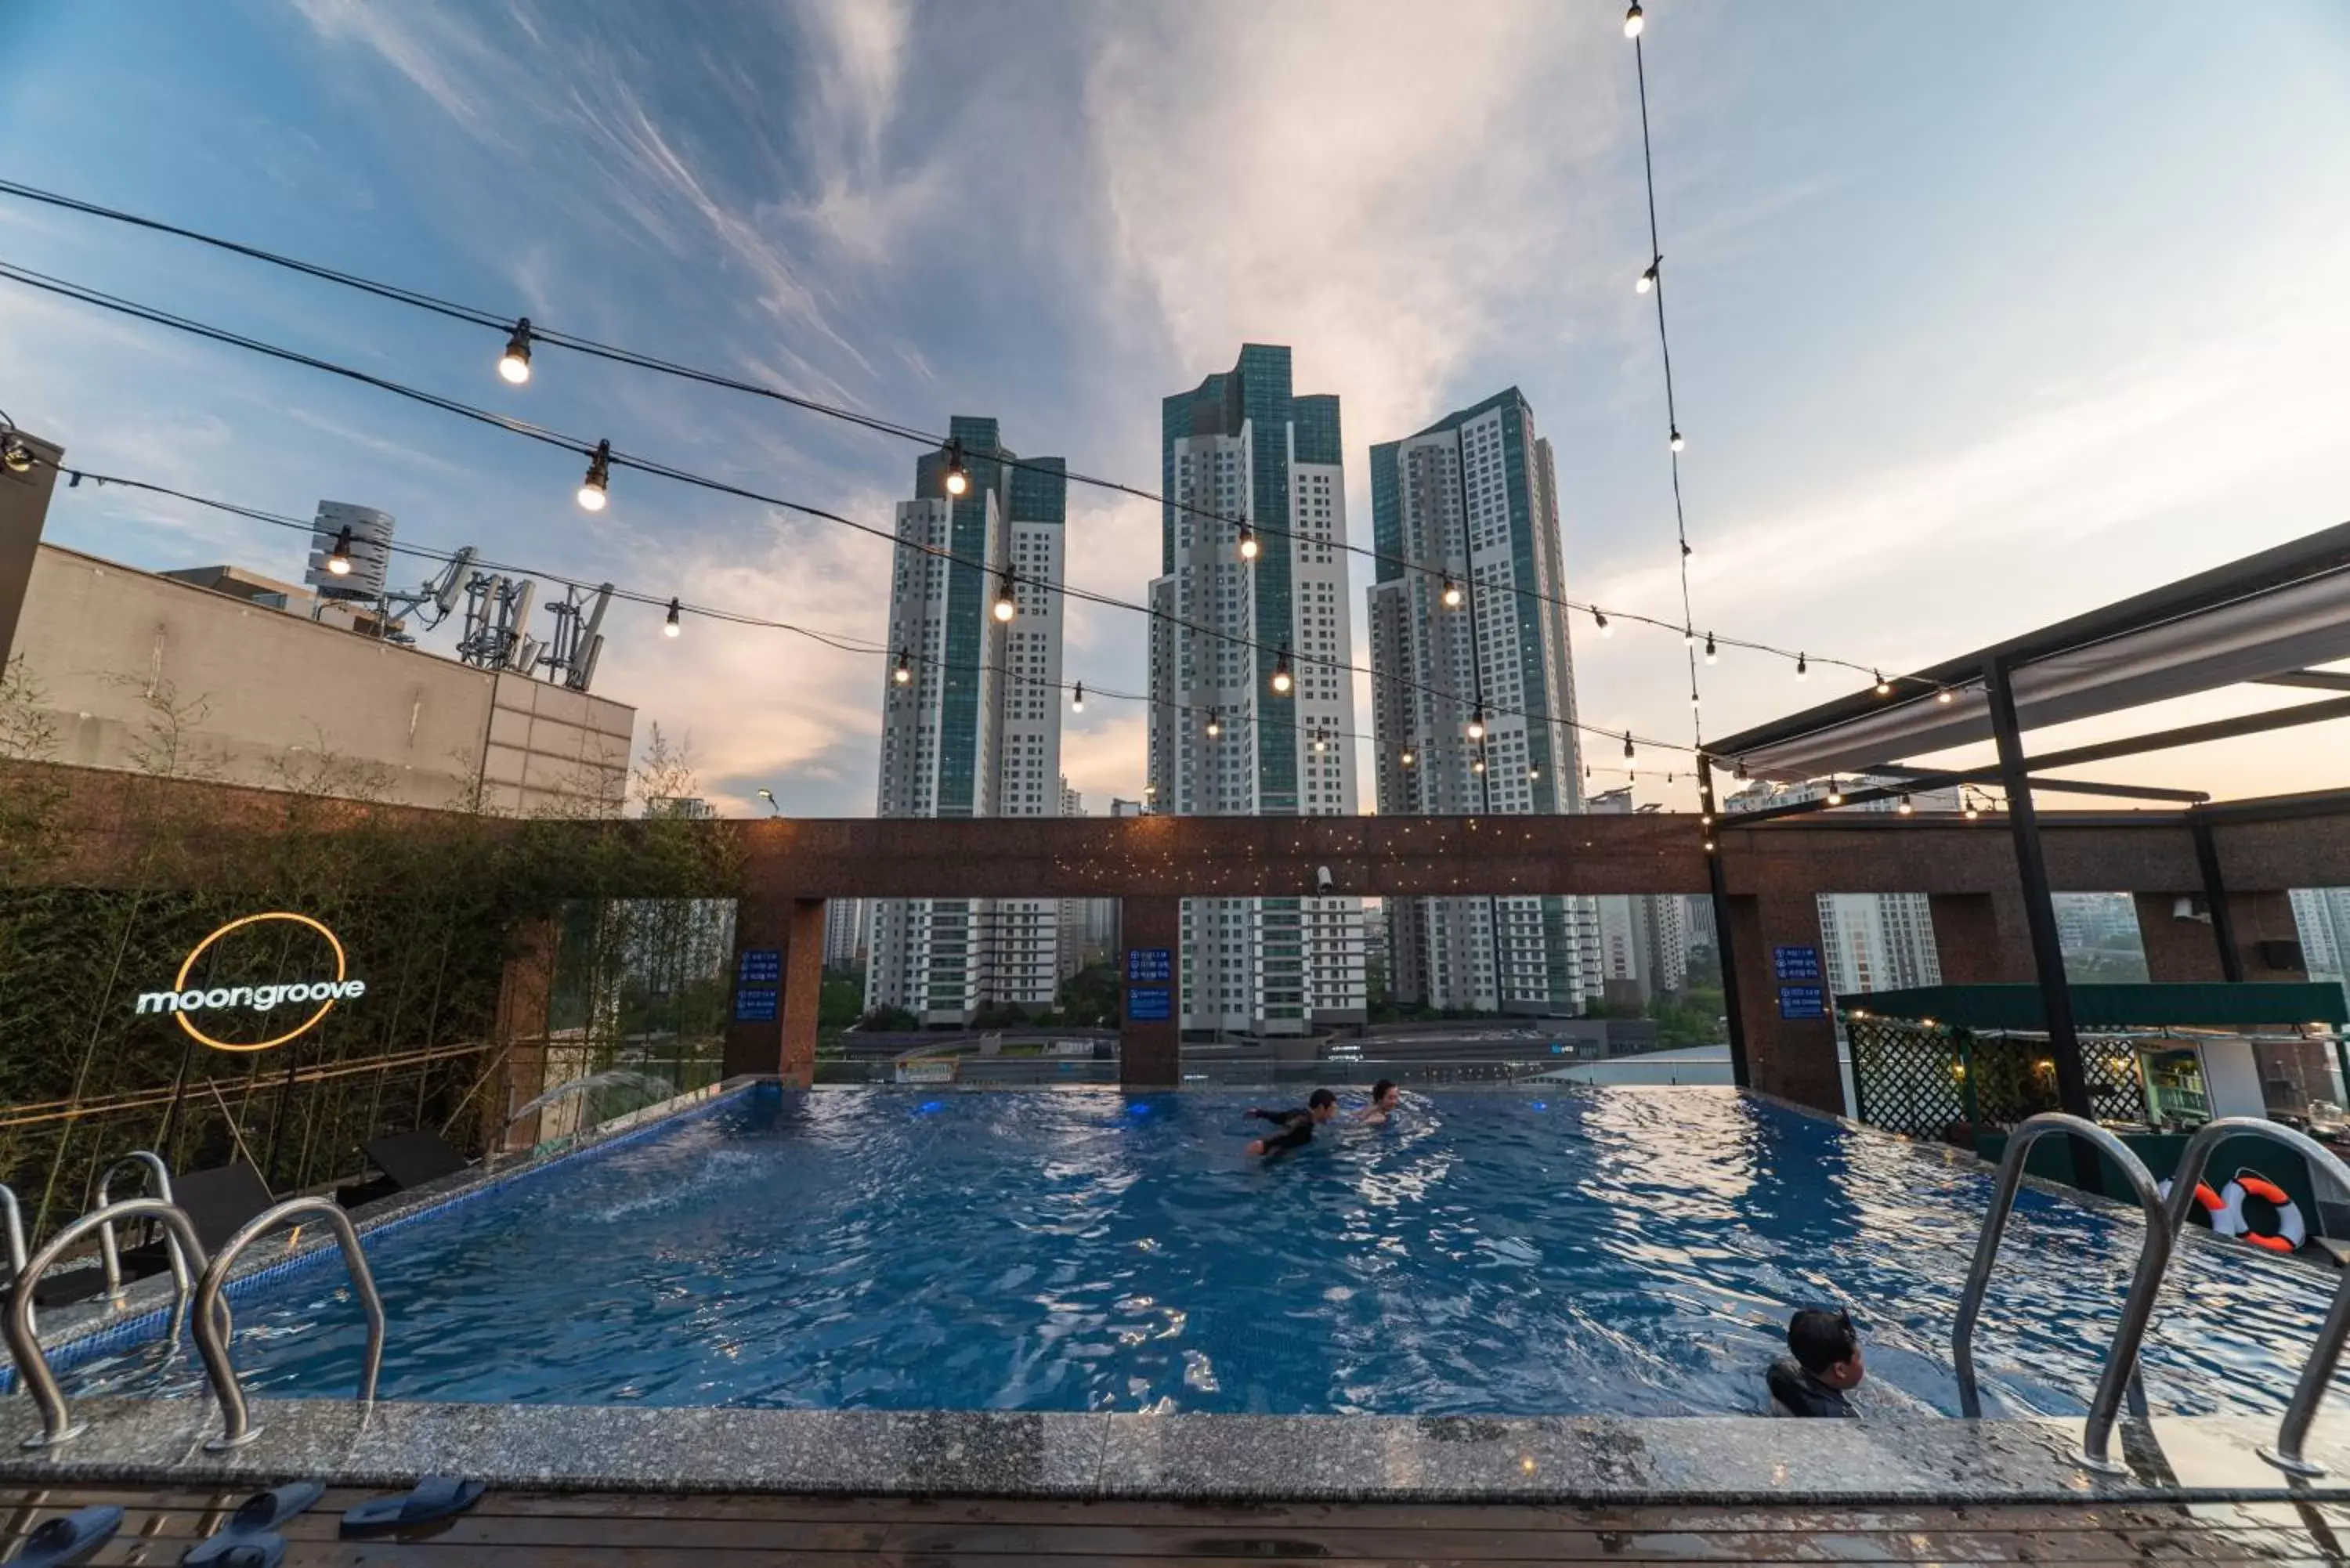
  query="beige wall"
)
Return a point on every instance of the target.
[{"x": 137, "y": 672}]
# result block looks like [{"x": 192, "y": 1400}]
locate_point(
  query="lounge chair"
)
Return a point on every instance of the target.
[{"x": 406, "y": 1159}]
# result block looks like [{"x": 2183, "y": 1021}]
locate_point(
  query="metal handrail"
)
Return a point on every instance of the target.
[
  {"x": 25, "y": 1341},
  {"x": 2326, "y": 1353},
  {"x": 2119, "y": 1376},
  {"x": 213, "y": 1326},
  {"x": 182, "y": 1279},
  {"x": 12, "y": 1216}
]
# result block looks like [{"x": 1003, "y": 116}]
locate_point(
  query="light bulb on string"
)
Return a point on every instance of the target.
[
  {"x": 1478, "y": 766},
  {"x": 1077, "y": 698},
  {"x": 1836, "y": 791},
  {"x": 1971, "y": 812},
  {"x": 671, "y": 627},
  {"x": 1884, "y": 687},
  {"x": 1802, "y": 668},
  {"x": 1905, "y": 808},
  {"x": 1945, "y": 695},
  {"x": 1477, "y": 724},
  {"x": 1649, "y": 278},
  {"x": 1676, "y": 443},
  {"x": 594, "y": 488},
  {"x": 1405, "y": 759},
  {"x": 1449, "y": 594},
  {"x": 1633, "y": 21},
  {"x": 1532, "y": 772},
  {"x": 958, "y": 477},
  {"x": 1248, "y": 542},
  {"x": 1215, "y": 726},
  {"x": 514, "y": 365},
  {"x": 903, "y": 672},
  {"x": 339, "y": 559},
  {"x": 1600, "y": 616},
  {"x": 1628, "y": 753},
  {"x": 1688, "y": 636},
  {"x": 1711, "y": 655},
  {"x": 1281, "y": 678},
  {"x": 1007, "y": 604}
]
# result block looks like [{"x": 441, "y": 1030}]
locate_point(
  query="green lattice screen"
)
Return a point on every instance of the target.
[{"x": 1928, "y": 1081}]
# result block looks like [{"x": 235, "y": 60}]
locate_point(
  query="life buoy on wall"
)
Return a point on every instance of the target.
[
  {"x": 2227, "y": 1219},
  {"x": 2291, "y": 1232}
]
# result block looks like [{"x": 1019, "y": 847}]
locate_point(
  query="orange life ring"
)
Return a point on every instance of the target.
[
  {"x": 2223, "y": 1219},
  {"x": 2291, "y": 1232}
]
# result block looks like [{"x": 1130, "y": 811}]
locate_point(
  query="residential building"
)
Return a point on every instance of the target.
[
  {"x": 1868, "y": 942},
  {"x": 973, "y": 726},
  {"x": 844, "y": 932},
  {"x": 2323, "y": 917},
  {"x": 1643, "y": 938},
  {"x": 1473, "y": 700},
  {"x": 1088, "y": 926},
  {"x": 1229, "y": 631}
]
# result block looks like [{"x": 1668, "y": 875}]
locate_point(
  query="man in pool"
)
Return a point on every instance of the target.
[
  {"x": 1297, "y": 1125},
  {"x": 1824, "y": 1362},
  {"x": 1385, "y": 1098}
]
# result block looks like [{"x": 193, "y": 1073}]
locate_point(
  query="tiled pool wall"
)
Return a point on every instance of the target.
[{"x": 87, "y": 1331}]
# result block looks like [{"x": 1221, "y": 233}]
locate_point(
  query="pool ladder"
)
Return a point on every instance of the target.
[
  {"x": 212, "y": 1322},
  {"x": 2119, "y": 1378}
]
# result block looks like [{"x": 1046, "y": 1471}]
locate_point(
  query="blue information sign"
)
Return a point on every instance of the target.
[
  {"x": 1149, "y": 965},
  {"x": 755, "y": 1006},
  {"x": 1803, "y": 1002},
  {"x": 1796, "y": 963},
  {"x": 1148, "y": 1005},
  {"x": 760, "y": 966}
]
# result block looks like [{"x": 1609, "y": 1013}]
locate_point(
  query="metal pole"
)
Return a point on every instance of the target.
[
  {"x": 2040, "y": 916},
  {"x": 1724, "y": 947},
  {"x": 2215, "y": 896}
]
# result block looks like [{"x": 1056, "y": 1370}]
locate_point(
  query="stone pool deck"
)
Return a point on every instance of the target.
[{"x": 1224, "y": 1458}]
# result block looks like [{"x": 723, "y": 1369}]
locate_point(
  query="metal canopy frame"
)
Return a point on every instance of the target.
[{"x": 2259, "y": 620}]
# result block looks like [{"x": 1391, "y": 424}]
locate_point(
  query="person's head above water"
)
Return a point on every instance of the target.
[
  {"x": 1384, "y": 1093},
  {"x": 1323, "y": 1104},
  {"x": 1825, "y": 1345}
]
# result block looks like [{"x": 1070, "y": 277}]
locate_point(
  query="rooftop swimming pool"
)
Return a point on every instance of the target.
[{"x": 1630, "y": 1251}]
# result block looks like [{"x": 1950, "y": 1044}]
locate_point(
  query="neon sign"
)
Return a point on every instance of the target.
[{"x": 179, "y": 1001}]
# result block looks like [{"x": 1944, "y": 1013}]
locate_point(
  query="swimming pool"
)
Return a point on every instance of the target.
[{"x": 1583, "y": 1251}]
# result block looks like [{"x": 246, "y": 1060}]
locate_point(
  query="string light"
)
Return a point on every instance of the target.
[
  {"x": 1477, "y": 724},
  {"x": 903, "y": 672},
  {"x": 1944, "y": 695},
  {"x": 1628, "y": 753},
  {"x": 1478, "y": 766},
  {"x": 1601, "y": 618},
  {"x": 671, "y": 627},
  {"x": 1077, "y": 698},
  {"x": 1007, "y": 604},
  {"x": 339, "y": 560},
  {"x": 1694, "y": 700},
  {"x": 1450, "y": 594},
  {"x": 592, "y": 490},
  {"x": 1532, "y": 772},
  {"x": 1633, "y": 21},
  {"x": 1836, "y": 791},
  {"x": 1969, "y": 806},
  {"x": 1649, "y": 278},
  {"x": 1905, "y": 808},
  {"x": 1281, "y": 678},
  {"x": 1215, "y": 726},
  {"x": 1688, "y": 636},
  {"x": 1884, "y": 688},
  {"x": 514, "y": 365},
  {"x": 1248, "y": 542},
  {"x": 958, "y": 479},
  {"x": 1677, "y": 446},
  {"x": 1407, "y": 758},
  {"x": 1319, "y": 743},
  {"x": 1711, "y": 655},
  {"x": 1802, "y": 668}
]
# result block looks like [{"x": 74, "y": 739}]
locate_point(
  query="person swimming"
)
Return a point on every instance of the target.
[
  {"x": 1297, "y": 1125},
  {"x": 1826, "y": 1362},
  {"x": 1385, "y": 1098}
]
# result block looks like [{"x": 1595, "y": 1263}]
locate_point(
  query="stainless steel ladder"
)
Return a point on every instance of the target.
[
  {"x": 2120, "y": 1375},
  {"x": 212, "y": 1322},
  {"x": 2164, "y": 1222},
  {"x": 158, "y": 1184}
]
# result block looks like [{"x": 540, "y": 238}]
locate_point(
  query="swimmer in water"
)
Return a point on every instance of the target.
[
  {"x": 1385, "y": 1098},
  {"x": 1824, "y": 1364},
  {"x": 1297, "y": 1125}
]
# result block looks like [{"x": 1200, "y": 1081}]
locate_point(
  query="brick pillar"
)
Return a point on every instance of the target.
[
  {"x": 519, "y": 1031},
  {"x": 1793, "y": 1058},
  {"x": 778, "y": 980},
  {"x": 1150, "y": 1049},
  {"x": 1980, "y": 938}
]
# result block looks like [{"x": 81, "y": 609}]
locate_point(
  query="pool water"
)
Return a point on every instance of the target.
[{"x": 1624, "y": 1251}]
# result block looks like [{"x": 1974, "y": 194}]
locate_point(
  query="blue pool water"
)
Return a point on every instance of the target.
[{"x": 1629, "y": 1251}]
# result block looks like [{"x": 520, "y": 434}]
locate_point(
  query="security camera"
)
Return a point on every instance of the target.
[{"x": 1323, "y": 880}]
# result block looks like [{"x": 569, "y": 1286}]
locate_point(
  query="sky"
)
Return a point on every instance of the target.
[{"x": 1981, "y": 316}]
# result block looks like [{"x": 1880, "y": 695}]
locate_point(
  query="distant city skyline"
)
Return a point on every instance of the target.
[{"x": 1969, "y": 336}]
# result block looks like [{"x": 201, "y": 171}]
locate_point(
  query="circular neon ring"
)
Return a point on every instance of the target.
[{"x": 308, "y": 1024}]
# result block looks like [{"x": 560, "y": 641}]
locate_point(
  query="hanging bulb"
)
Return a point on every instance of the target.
[
  {"x": 1450, "y": 594},
  {"x": 1633, "y": 21},
  {"x": 1677, "y": 438},
  {"x": 1627, "y": 745},
  {"x": 903, "y": 672},
  {"x": 1835, "y": 792},
  {"x": 1647, "y": 279},
  {"x": 1884, "y": 687},
  {"x": 1007, "y": 603},
  {"x": 1077, "y": 698},
  {"x": 592, "y": 489},
  {"x": 515, "y": 363},
  {"x": 1477, "y": 724},
  {"x": 1711, "y": 657},
  {"x": 339, "y": 559},
  {"x": 1281, "y": 680},
  {"x": 1248, "y": 542},
  {"x": 958, "y": 479},
  {"x": 1407, "y": 758},
  {"x": 1532, "y": 772},
  {"x": 1802, "y": 668},
  {"x": 1600, "y": 616},
  {"x": 1693, "y": 697},
  {"x": 1971, "y": 812},
  {"x": 1905, "y": 808},
  {"x": 1688, "y": 636},
  {"x": 1945, "y": 695},
  {"x": 1739, "y": 772},
  {"x": 1319, "y": 743},
  {"x": 671, "y": 627},
  {"x": 1215, "y": 726},
  {"x": 1478, "y": 766}
]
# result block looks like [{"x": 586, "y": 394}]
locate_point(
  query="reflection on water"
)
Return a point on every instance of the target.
[{"x": 1631, "y": 1250}]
